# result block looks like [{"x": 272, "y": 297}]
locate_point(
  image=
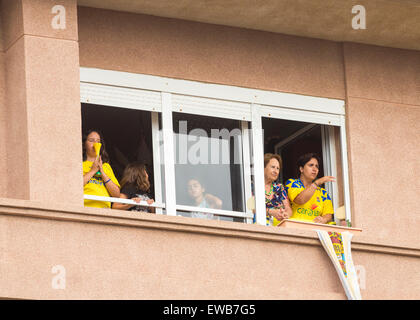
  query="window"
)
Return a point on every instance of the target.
[
  {"x": 214, "y": 137},
  {"x": 291, "y": 139},
  {"x": 131, "y": 127},
  {"x": 208, "y": 166}
]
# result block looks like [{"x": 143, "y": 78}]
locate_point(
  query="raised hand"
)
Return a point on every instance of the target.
[{"x": 321, "y": 181}]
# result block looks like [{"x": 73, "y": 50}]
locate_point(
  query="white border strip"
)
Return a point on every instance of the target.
[
  {"x": 124, "y": 201},
  {"x": 156, "y": 159},
  {"x": 345, "y": 168},
  {"x": 236, "y": 214},
  {"x": 246, "y": 159},
  {"x": 168, "y": 154},
  {"x": 208, "y": 90},
  {"x": 258, "y": 149},
  {"x": 300, "y": 115}
]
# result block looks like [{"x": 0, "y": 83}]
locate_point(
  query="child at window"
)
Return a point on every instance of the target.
[
  {"x": 201, "y": 199},
  {"x": 135, "y": 185}
]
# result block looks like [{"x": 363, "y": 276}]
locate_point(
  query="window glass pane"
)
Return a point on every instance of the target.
[{"x": 208, "y": 163}]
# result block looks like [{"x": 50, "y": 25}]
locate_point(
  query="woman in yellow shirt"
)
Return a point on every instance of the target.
[
  {"x": 98, "y": 177},
  {"x": 309, "y": 201}
]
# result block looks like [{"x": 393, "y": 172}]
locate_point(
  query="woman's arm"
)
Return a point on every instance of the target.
[
  {"x": 287, "y": 211},
  {"x": 149, "y": 202},
  {"x": 87, "y": 176},
  {"x": 214, "y": 202},
  {"x": 122, "y": 206},
  {"x": 323, "y": 219},
  {"x": 280, "y": 213},
  {"x": 307, "y": 194},
  {"x": 112, "y": 188}
]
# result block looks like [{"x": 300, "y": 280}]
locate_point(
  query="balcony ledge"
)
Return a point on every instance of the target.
[{"x": 73, "y": 213}]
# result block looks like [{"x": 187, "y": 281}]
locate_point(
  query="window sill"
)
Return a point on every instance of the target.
[
  {"x": 317, "y": 226},
  {"x": 71, "y": 213}
]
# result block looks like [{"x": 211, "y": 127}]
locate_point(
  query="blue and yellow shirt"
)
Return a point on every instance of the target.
[{"x": 320, "y": 203}]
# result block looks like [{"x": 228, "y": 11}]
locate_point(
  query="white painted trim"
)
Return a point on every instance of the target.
[
  {"x": 329, "y": 161},
  {"x": 258, "y": 149},
  {"x": 344, "y": 161},
  {"x": 226, "y": 213},
  {"x": 246, "y": 160},
  {"x": 215, "y": 91},
  {"x": 124, "y": 201},
  {"x": 326, "y": 157},
  {"x": 211, "y": 107},
  {"x": 333, "y": 166},
  {"x": 168, "y": 147},
  {"x": 157, "y": 174},
  {"x": 299, "y": 115},
  {"x": 120, "y": 97}
]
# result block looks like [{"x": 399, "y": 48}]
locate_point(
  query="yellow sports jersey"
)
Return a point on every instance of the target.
[
  {"x": 96, "y": 187},
  {"x": 319, "y": 205}
]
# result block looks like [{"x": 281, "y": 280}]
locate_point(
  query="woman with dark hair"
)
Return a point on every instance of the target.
[
  {"x": 98, "y": 177},
  {"x": 135, "y": 185},
  {"x": 310, "y": 202},
  {"x": 276, "y": 202}
]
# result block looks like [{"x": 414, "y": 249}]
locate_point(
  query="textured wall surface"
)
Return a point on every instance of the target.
[
  {"x": 388, "y": 23},
  {"x": 209, "y": 53},
  {"x": 42, "y": 102},
  {"x": 109, "y": 254},
  {"x": 383, "y": 103}
]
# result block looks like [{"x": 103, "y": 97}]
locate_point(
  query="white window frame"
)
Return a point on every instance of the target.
[
  {"x": 211, "y": 107},
  {"x": 156, "y": 94}
]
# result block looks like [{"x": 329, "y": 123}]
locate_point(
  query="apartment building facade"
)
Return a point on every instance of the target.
[{"x": 269, "y": 76}]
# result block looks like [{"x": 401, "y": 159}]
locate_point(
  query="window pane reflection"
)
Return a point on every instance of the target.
[{"x": 208, "y": 163}]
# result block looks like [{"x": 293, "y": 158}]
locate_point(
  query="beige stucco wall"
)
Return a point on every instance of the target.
[
  {"x": 383, "y": 104},
  {"x": 3, "y": 154},
  {"x": 42, "y": 118},
  {"x": 209, "y": 53},
  {"x": 116, "y": 254},
  {"x": 3, "y": 172}
]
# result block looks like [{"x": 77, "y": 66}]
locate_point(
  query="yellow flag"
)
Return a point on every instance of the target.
[{"x": 97, "y": 146}]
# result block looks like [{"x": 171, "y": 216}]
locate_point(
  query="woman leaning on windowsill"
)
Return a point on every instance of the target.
[{"x": 310, "y": 202}]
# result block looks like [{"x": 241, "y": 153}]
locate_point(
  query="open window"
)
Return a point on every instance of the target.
[
  {"x": 294, "y": 129},
  {"x": 291, "y": 139},
  {"x": 132, "y": 133},
  {"x": 212, "y": 136}
]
